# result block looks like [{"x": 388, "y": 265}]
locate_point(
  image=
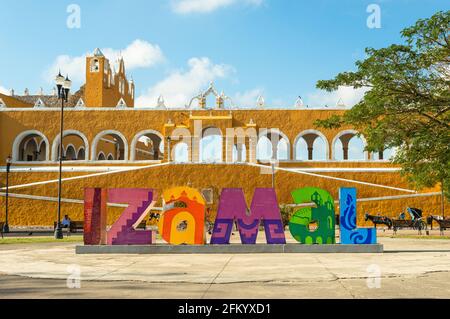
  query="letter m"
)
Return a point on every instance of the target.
[{"x": 233, "y": 208}]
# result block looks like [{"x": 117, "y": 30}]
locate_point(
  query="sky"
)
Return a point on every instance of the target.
[{"x": 278, "y": 49}]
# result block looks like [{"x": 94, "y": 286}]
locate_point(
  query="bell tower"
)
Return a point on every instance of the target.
[
  {"x": 105, "y": 88},
  {"x": 95, "y": 79}
]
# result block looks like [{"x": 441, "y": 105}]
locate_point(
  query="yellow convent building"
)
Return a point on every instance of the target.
[{"x": 109, "y": 143}]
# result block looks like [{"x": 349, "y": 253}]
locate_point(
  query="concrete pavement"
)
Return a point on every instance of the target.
[{"x": 408, "y": 268}]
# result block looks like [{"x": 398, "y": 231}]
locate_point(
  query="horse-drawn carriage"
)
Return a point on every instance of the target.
[{"x": 416, "y": 222}]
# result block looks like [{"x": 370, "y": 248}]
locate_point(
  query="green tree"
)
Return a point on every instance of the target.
[{"x": 407, "y": 105}]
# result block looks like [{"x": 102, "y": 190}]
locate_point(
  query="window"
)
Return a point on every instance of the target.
[
  {"x": 39, "y": 103},
  {"x": 95, "y": 66},
  {"x": 101, "y": 157},
  {"x": 80, "y": 103},
  {"x": 121, "y": 103}
]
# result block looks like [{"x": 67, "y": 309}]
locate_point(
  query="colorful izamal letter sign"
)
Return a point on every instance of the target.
[
  {"x": 140, "y": 202},
  {"x": 183, "y": 218},
  {"x": 350, "y": 234},
  {"x": 95, "y": 216},
  {"x": 123, "y": 231},
  {"x": 233, "y": 208},
  {"x": 322, "y": 217}
]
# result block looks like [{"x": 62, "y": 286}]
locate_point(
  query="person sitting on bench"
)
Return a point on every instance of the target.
[{"x": 65, "y": 222}]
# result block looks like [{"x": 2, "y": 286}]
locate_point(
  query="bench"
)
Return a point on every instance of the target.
[{"x": 75, "y": 226}]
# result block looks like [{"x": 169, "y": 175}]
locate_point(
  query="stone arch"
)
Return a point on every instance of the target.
[
  {"x": 81, "y": 152},
  {"x": 70, "y": 154},
  {"x": 345, "y": 137},
  {"x": 268, "y": 134},
  {"x": 42, "y": 150},
  {"x": 212, "y": 135},
  {"x": 157, "y": 139},
  {"x": 265, "y": 154},
  {"x": 30, "y": 148},
  {"x": 181, "y": 152},
  {"x": 101, "y": 156},
  {"x": 386, "y": 155},
  {"x": 66, "y": 133},
  {"x": 310, "y": 137},
  {"x": 18, "y": 144},
  {"x": 123, "y": 152}
]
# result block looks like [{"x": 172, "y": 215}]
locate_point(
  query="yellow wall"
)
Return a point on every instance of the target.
[
  {"x": 32, "y": 212},
  {"x": 132, "y": 121}
]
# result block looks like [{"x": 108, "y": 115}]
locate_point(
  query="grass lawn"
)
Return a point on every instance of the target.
[{"x": 35, "y": 240}]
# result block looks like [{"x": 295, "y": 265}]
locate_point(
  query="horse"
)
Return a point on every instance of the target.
[
  {"x": 379, "y": 220},
  {"x": 443, "y": 223}
]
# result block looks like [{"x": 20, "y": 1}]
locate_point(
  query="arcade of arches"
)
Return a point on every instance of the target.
[
  {"x": 212, "y": 147},
  {"x": 212, "y": 156}
]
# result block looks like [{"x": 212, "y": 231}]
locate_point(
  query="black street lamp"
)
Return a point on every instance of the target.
[
  {"x": 8, "y": 168},
  {"x": 63, "y": 86}
]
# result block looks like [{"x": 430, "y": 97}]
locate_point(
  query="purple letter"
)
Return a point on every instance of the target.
[
  {"x": 232, "y": 207},
  {"x": 123, "y": 231}
]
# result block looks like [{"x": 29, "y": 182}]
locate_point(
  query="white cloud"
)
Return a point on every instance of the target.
[
  {"x": 349, "y": 95},
  {"x": 139, "y": 54},
  {"x": 73, "y": 66},
  {"x": 207, "y": 6},
  {"x": 248, "y": 98},
  {"x": 3, "y": 90},
  {"x": 180, "y": 86}
]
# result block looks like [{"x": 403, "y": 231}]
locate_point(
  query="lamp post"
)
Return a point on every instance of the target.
[
  {"x": 8, "y": 168},
  {"x": 63, "y": 86},
  {"x": 442, "y": 200}
]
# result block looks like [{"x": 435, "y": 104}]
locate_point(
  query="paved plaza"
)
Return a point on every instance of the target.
[{"x": 409, "y": 268}]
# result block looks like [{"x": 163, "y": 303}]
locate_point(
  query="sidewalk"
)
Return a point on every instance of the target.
[{"x": 408, "y": 268}]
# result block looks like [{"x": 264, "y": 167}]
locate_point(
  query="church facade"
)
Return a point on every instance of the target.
[{"x": 109, "y": 143}]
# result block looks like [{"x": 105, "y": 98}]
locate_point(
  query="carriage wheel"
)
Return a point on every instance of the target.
[{"x": 422, "y": 225}]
